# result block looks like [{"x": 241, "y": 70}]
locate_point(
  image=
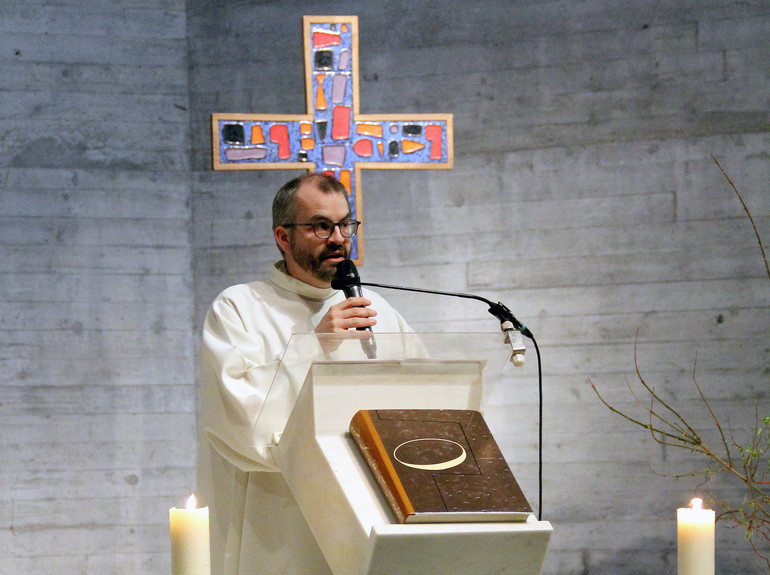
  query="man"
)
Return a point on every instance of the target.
[{"x": 255, "y": 525}]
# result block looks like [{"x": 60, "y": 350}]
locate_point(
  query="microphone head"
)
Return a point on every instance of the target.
[
  {"x": 346, "y": 269},
  {"x": 346, "y": 275}
]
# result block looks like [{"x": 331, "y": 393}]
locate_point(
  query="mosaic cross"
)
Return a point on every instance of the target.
[{"x": 333, "y": 137}]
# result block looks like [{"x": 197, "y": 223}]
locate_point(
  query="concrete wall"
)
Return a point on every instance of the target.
[
  {"x": 583, "y": 196},
  {"x": 97, "y": 386}
]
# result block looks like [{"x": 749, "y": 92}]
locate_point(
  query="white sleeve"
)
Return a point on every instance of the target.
[{"x": 236, "y": 374}]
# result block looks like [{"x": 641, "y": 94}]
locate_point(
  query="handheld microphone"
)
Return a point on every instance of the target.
[{"x": 347, "y": 279}]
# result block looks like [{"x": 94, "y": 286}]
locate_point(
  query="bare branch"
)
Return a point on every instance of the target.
[
  {"x": 748, "y": 213},
  {"x": 711, "y": 411}
]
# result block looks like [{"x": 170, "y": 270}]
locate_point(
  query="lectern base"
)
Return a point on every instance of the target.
[
  {"x": 499, "y": 548},
  {"x": 342, "y": 502}
]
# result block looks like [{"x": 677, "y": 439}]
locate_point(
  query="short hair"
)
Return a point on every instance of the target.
[{"x": 284, "y": 204}]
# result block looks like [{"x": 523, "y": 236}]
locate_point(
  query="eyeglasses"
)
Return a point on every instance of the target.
[{"x": 324, "y": 229}]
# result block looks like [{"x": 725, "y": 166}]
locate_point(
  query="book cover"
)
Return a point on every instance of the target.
[{"x": 438, "y": 465}]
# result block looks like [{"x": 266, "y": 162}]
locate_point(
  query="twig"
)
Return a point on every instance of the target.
[
  {"x": 748, "y": 213},
  {"x": 711, "y": 411}
]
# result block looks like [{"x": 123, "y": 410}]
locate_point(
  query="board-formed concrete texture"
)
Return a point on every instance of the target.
[{"x": 583, "y": 196}]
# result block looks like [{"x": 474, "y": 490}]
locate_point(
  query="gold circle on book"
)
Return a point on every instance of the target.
[{"x": 438, "y": 465}]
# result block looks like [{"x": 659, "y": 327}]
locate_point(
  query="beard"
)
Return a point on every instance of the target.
[{"x": 314, "y": 264}]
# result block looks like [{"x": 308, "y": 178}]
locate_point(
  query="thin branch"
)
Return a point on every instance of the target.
[
  {"x": 711, "y": 411},
  {"x": 629, "y": 418},
  {"x": 653, "y": 414},
  {"x": 690, "y": 433},
  {"x": 748, "y": 213}
]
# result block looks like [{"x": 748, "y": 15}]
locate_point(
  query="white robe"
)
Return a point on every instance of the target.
[{"x": 256, "y": 526}]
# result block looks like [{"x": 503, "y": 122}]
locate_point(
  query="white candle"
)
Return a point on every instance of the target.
[
  {"x": 190, "y": 548},
  {"x": 695, "y": 539}
]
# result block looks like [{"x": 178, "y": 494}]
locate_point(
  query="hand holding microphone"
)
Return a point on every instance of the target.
[
  {"x": 348, "y": 314},
  {"x": 347, "y": 280}
]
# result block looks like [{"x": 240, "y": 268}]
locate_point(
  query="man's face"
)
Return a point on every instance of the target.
[{"x": 310, "y": 258}]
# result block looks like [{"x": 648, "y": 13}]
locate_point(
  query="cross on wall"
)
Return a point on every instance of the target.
[{"x": 333, "y": 137}]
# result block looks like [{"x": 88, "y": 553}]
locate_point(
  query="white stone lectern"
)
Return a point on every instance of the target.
[{"x": 327, "y": 378}]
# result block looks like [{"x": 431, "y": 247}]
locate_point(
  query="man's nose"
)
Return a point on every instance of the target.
[{"x": 337, "y": 236}]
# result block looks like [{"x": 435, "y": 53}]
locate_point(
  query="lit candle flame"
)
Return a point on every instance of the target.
[
  {"x": 696, "y": 503},
  {"x": 191, "y": 503}
]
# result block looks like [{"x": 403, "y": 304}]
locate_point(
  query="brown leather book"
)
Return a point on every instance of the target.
[{"x": 438, "y": 465}]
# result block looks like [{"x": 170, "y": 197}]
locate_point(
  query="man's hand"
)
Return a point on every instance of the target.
[{"x": 350, "y": 313}]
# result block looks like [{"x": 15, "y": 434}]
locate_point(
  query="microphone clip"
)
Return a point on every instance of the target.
[
  {"x": 513, "y": 337},
  {"x": 513, "y": 330}
]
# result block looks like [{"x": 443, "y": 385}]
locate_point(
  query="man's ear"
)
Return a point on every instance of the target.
[{"x": 281, "y": 236}]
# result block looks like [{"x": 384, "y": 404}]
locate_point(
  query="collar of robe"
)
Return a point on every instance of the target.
[{"x": 283, "y": 280}]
